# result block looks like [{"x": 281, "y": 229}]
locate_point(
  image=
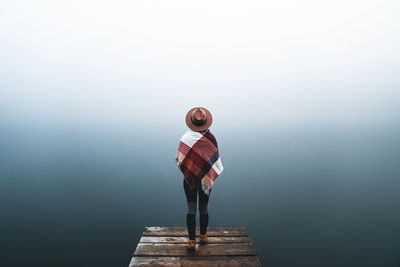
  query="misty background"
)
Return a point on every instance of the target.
[{"x": 304, "y": 96}]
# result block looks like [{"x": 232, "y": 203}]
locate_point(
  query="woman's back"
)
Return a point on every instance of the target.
[{"x": 199, "y": 161}]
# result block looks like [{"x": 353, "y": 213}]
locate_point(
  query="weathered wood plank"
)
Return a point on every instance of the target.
[
  {"x": 176, "y": 250},
  {"x": 182, "y": 231},
  {"x": 184, "y": 239},
  {"x": 245, "y": 261},
  {"x": 166, "y": 246}
]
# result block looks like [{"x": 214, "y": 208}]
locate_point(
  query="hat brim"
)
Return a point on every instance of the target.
[{"x": 196, "y": 128}]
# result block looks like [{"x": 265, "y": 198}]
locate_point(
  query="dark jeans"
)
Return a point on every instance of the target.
[{"x": 191, "y": 198}]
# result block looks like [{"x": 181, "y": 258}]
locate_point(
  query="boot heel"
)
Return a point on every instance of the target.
[
  {"x": 191, "y": 247},
  {"x": 203, "y": 239}
]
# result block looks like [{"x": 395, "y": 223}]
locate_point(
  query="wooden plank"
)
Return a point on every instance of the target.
[
  {"x": 184, "y": 239},
  {"x": 166, "y": 246},
  {"x": 176, "y": 250},
  {"x": 182, "y": 231},
  {"x": 245, "y": 261}
]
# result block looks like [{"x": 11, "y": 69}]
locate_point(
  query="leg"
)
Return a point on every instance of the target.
[
  {"x": 203, "y": 204},
  {"x": 191, "y": 198}
]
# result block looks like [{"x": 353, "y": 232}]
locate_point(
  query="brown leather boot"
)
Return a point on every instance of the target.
[
  {"x": 191, "y": 247},
  {"x": 203, "y": 239}
]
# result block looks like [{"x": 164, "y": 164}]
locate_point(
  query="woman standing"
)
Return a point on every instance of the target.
[{"x": 199, "y": 161}]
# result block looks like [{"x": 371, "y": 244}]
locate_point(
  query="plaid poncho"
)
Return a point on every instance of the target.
[{"x": 198, "y": 159}]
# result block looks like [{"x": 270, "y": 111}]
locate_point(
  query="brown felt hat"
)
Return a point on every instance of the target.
[{"x": 198, "y": 119}]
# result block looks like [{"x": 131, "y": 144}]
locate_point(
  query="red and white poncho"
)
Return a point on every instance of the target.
[{"x": 198, "y": 159}]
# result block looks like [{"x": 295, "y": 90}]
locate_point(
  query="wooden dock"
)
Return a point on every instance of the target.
[{"x": 166, "y": 246}]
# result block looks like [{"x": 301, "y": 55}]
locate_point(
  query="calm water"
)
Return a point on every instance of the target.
[{"x": 309, "y": 194}]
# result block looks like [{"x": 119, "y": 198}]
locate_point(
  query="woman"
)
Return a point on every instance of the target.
[{"x": 199, "y": 161}]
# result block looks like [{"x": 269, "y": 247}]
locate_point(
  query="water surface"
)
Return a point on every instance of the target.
[{"x": 322, "y": 194}]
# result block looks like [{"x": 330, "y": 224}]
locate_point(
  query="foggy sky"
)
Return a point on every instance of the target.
[{"x": 148, "y": 62}]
